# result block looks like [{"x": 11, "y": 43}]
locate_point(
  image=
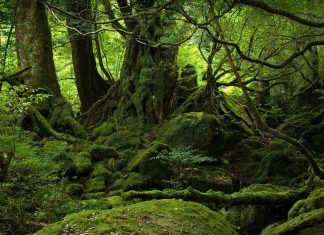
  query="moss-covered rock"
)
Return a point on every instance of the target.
[
  {"x": 310, "y": 223},
  {"x": 100, "y": 170},
  {"x": 314, "y": 201},
  {"x": 152, "y": 217},
  {"x": 121, "y": 140},
  {"x": 252, "y": 218},
  {"x": 87, "y": 196},
  {"x": 74, "y": 189},
  {"x": 130, "y": 181},
  {"x": 200, "y": 131},
  {"x": 106, "y": 129},
  {"x": 95, "y": 185},
  {"x": 101, "y": 152},
  {"x": 83, "y": 163}
]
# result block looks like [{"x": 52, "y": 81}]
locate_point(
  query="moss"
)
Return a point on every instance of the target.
[
  {"x": 95, "y": 204},
  {"x": 83, "y": 163},
  {"x": 131, "y": 181},
  {"x": 56, "y": 148},
  {"x": 310, "y": 221},
  {"x": 123, "y": 139},
  {"x": 314, "y": 201},
  {"x": 101, "y": 152},
  {"x": 283, "y": 166},
  {"x": 100, "y": 170},
  {"x": 74, "y": 189},
  {"x": 93, "y": 195},
  {"x": 152, "y": 217},
  {"x": 152, "y": 151},
  {"x": 95, "y": 185},
  {"x": 200, "y": 131},
  {"x": 105, "y": 129}
]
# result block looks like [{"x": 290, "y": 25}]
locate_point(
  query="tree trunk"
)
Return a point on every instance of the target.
[
  {"x": 90, "y": 85},
  {"x": 149, "y": 74},
  {"x": 34, "y": 51},
  {"x": 34, "y": 46}
]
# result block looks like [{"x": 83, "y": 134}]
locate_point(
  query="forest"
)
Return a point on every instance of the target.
[{"x": 144, "y": 117}]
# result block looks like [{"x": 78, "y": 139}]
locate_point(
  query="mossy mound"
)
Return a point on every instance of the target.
[
  {"x": 95, "y": 185},
  {"x": 105, "y": 129},
  {"x": 101, "y": 203},
  {"x": 310, "y": 223},
  {"x": 83, "y": 163},
  {"x": 101, "y": 152},
  {"x": 199, "y": 130},
  {"x": 151, "y": 217},
  {"x": 74, "y": 189},
  {"x": 100, "y": 170},
  {"x": 252, "y": 218},
  {"x": 131, "y": 181},
  {"x": 314, "y": 201},
  {"x": 121, "y": 140}
]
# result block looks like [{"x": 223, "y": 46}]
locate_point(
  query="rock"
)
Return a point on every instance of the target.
[
  {"x": 83, "y": 163},
  {"x": 200, "y": 131},
  {"x": 314, "y": 201},
  {"x": 100, "y": 170},
  {"x": 95, "y": 185},
  {"x": 309, "y": 223},
  {"x": 152, "y": 217},
  {"x": 74, "y": 189},
  {"x": 101, "y": 152},
  {"x": 131, "y": 181},
  {"x": 252, "y": 218}
]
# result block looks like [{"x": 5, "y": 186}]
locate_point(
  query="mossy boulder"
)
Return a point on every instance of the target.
[
  {"x": 100, "y": 170},
  {"x": 198, "y": 130},
  {"x": 74, "y": 189},
  {"x": 83, "y": 163},
  {"x": 314, "y": 201},
  {"x": 101, "y": 152},
  {"x": 128, "y": 182},
  {"x": 152, "y": 217},
  {"x": 252, "y": 218},
  {"x": 144, "y": 161},
  {"x": 95, "y": 185},
  {"x": 105, "y": 129},
  {"x": 98, "y": 195},
  {"x": 121, "y": 140},
  {"x": 309, "y": 223}
]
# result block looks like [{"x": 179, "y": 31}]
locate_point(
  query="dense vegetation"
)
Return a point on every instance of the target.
[{"x": 161, "y": 117}]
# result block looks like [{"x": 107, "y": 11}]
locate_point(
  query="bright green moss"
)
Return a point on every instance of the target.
[
  {"x": 100, "y": 170},
  {"x": 105, "y": 129},
  {"x": 98, "y": 195},
  {"x": 74, "y": 189},
  {"x": 152, "y": 217},
  {"x": 132, "y": 181},
  {"x": 83, "y": 163},
  {"x": 95, "y": 185}
]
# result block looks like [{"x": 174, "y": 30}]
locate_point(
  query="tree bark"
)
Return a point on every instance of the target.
[
  {"x": 34, "y": 47},
  {"x": 90, "y": 85}
]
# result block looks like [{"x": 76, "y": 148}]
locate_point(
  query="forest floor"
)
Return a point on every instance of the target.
[{"x": 198, "y": 173}]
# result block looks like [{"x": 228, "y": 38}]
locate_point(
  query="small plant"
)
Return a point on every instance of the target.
[{"x": 178, "y": 159}]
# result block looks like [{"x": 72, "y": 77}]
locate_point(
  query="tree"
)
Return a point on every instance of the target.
[
  {"x": 149, "y": 74},
  {"x": 35, "y": 52},
  {"x": 91, "y": 86}
]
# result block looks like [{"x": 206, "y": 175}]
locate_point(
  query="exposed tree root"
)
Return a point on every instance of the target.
[{"x": 190, "y": 194}]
